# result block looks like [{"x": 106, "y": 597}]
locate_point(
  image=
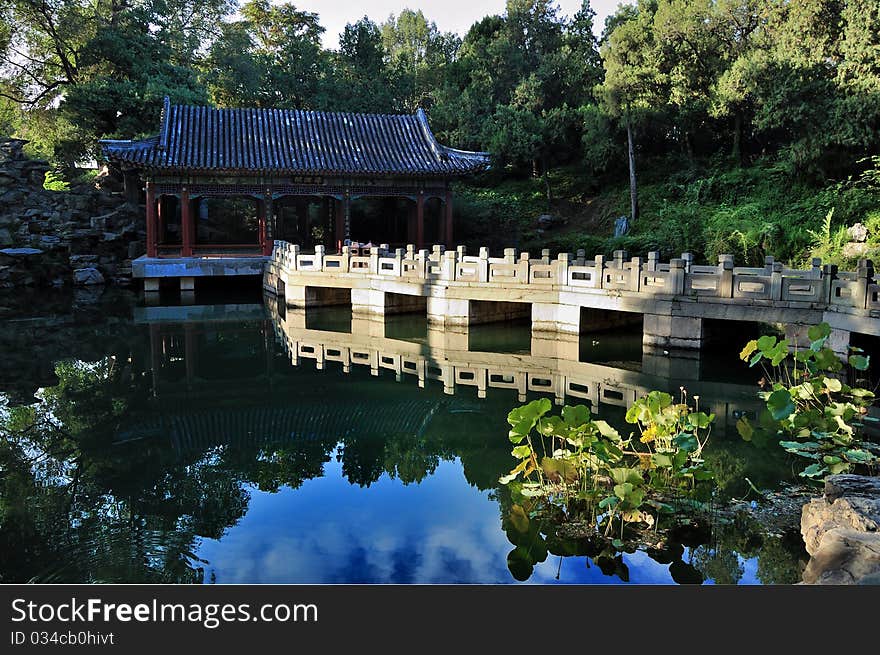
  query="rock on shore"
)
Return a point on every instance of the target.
[
  {"x": 841, "y": 532},
  {"x": 44, "y": 235}
]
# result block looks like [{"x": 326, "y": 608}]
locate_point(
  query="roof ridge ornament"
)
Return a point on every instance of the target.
[{"x": 432, "y": 141}]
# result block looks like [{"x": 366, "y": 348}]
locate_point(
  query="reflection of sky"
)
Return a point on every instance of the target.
[{"x": 440, "y": 531}]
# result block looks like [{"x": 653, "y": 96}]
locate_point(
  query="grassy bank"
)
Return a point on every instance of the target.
[{"x": 750, "y": 212}]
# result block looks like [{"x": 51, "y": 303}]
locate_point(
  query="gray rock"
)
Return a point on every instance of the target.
[
  {"x": 858, "y": 232},
  {"x": 547, "y": 221},
  {"x": 854, "y": 250},
  {"x": 136, "y": 249},
  {"x": 87, "y": 276},
  {"x": 841, "y": 531},
  {"x": 83, "y": 261},
  {"x": 844, "y": 556},
  {"x": 20, "y": 252},
  {"x": 621, "y": 226}
]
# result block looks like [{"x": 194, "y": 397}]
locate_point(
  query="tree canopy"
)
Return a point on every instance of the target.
[{"x": 794, "y": 80}]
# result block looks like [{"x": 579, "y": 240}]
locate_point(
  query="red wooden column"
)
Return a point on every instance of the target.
[
  {"x": 269, "y": 220},
  {"x": 261, "y": 222},
  {"x": 160, "y": 220},
  {"x": 411, "y": 223},
  {"x": 346, "y": 218},
  {"x": 420, "y": 220},
  {"x": 186, "y": 224},
  {"x": 447, "y": 210},
  {"x": 339, "y": 230},
  {"x": 152, "y": 249}
]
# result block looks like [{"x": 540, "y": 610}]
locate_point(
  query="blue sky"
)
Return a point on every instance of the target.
[{"x": 450, "y": 15}]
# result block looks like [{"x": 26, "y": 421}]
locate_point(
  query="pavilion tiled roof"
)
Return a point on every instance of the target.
[{"x": 288, "y": 141}]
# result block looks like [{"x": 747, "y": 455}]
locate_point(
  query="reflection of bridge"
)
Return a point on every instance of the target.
[
  {"x": 444, "y": 359},
  {"x": 675, "y": 298},
  {"x": 196, "y": 405}
]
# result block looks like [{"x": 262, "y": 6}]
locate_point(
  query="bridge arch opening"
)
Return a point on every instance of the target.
[{"x": 608, "y": 336}]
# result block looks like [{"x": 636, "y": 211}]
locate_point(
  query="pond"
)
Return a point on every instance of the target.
[{"x": 237, "y": 443}]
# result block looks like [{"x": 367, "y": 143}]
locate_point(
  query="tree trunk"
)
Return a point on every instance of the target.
[
  {"x": 633, "y": 192},
  {"x": 547, "y": 183},
  {"x": 736, "y": 152}
]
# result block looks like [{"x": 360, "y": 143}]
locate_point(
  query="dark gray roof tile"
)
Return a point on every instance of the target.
[{"x": 294, "y": 141}]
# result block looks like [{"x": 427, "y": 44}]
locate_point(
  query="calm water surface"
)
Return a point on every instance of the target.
[{"x": 228, "y": 443}]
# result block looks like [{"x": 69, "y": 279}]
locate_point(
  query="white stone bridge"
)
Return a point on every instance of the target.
[{"x": 456, "y": 289}]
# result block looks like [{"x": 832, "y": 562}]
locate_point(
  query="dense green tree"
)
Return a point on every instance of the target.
[
  {"x": 417, "y": 54},
  {"x": 271, "y": 57},
  {"x": 634, "y": 85},
  {"x": 361, "y": 77}
]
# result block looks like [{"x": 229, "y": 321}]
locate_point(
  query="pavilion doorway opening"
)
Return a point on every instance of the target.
[
  {"x": 305, "y": 220},
  {"x": 169, "y": 234},
  {"x": 227, "y": 222}
]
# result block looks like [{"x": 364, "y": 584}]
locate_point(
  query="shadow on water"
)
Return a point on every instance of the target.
[{"x": 184, "y": 445}]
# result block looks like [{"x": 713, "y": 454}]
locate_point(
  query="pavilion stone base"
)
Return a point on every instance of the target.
[{"x": 187, "y": 269}]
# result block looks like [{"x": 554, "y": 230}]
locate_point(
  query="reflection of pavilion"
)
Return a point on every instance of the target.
[{"x": 552, "y": 368}]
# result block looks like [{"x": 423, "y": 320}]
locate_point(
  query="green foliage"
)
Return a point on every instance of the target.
[
  {"x": 54, "y": 181},
  {"x": 583, "y": 468},
  {"x": 810, "y": 410}
]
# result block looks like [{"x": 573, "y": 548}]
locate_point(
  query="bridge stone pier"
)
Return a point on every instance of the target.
[{"x": 568, "y": 295}]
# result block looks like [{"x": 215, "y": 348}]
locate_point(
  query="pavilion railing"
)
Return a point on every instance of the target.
[{"x": 820, "y": 284}]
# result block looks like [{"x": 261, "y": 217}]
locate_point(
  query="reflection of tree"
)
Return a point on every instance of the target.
[
  {"x": 410, "y": 460},
  {"x": 74, "y": 506},
  {"x": 77, "y": 503}
]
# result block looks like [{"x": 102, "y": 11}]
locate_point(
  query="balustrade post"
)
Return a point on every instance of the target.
[
  {"x": 865, "y": 279},
  {"x": 483, "y": 265},
  {"x": 676, "y": 276},
  {"x": 461, "y": 251},
  {"x": 423, "y": 259},
  {"x": 345, "y": 264},
  {"x": 448, "y": 264},
  {"x": 510, "y": 255},
  {"x": 580, "y": 257},
  {"x": 653, "y": 264},
  {"x": 776, "y": 281},
  {"x": 545, "y": 256},
  {"x": 563, "y": 260},
  {"x": 725, "y": 273},
  {"x": 635, "y": 273},
  {"x": 524, "y": 273},
  {"x": 816, "y": 268},
  {"x": 319, "y": 258},
  {"x": 829, "y": 274},
  {"x": 619, "y": 256},
  {"x": 293, "y": 250},
  {"x": 768, "y": 264},
  {"x": 599, "y": 264},
  {"x": 399, "y": 254},
  {"x": 374, "y": 261},
  {"x": 688, "y": 259}
]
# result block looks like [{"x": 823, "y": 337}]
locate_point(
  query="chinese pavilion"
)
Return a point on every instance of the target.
[{"x": 229, "y": 181}]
